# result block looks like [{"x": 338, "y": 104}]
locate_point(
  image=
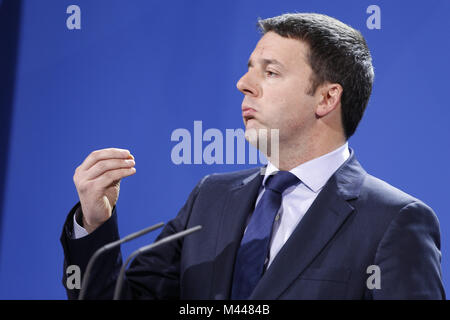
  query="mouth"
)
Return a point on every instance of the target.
[
  {"x": 248, "y": 114},
  {"x": 248, "y": 118}
]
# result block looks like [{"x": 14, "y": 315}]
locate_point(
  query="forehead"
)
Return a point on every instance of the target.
[{"x": 286, "y": 50}]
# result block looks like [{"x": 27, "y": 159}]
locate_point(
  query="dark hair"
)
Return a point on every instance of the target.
[{"x": 338, "y": 54}]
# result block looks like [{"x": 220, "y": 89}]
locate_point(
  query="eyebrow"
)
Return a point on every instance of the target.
[{"x": 266, "y": 62}]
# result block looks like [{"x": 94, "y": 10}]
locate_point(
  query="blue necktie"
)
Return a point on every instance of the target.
[{"x": 252, "y": 253}]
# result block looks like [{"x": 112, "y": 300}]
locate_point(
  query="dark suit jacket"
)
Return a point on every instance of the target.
[{"x": 356, "y": 221}]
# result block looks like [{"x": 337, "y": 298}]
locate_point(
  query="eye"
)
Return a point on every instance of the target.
[{"x": 271, "y": 74}]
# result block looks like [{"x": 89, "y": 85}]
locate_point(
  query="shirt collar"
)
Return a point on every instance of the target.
[{"x": 316, "y": 172}]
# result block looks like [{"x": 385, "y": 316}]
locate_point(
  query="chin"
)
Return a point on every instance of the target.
[
  {"x": 256, "y": 135},
  {"x": 251, "y": 135}
]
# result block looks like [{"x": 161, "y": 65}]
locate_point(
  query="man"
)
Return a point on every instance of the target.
[{"x": 309, "y": 227}]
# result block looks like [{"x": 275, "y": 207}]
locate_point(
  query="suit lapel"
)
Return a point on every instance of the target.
[
  {"x": 316, "y": 229},
  {"x": 240, "y": 203}
]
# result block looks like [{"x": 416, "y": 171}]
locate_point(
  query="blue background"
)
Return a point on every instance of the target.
[{"x": 137, "y": 70}]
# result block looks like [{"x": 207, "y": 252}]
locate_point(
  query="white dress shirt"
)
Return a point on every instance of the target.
[
  {"x": 78, "y": 231},
  {"x": 296, "y": 200}
]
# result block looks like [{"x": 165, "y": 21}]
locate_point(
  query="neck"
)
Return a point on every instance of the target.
[{"x": 293, "y": 154}]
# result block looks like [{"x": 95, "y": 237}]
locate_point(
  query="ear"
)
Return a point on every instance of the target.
[{"x": 329, "y": 96}]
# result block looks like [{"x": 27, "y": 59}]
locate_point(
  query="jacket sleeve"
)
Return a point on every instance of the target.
[
  {"x": 156, "y": 273},
  {"x": 78, "y": 252},
  {"x": 409, "y": 256},
  {"x": 153, "y": 275}
]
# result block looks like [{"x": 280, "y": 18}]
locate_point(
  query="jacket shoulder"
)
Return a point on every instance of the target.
[
  {"x": 230, "y": 178},
  {"x": 381, "y": 194}
]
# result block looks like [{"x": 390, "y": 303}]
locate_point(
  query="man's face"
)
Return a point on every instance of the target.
[{"x": 275, "y": 88}]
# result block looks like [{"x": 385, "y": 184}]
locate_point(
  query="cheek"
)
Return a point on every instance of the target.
[
  {"x": 290, "y": 112},
  {"x": 285, "y": 101},
  {"x": 288, "y": 104}
]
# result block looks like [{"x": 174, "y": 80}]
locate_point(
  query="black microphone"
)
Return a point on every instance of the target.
[
  {"x": 148, "y": 247},
  {"x": 108, "y": 247}
]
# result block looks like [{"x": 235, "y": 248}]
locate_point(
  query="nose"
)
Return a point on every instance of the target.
[{"x": 248, "y": 86}]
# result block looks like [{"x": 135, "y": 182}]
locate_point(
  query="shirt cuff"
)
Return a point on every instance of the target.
[{"x": 78, "y": 231}]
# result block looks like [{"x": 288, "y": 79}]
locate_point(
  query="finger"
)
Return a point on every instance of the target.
[
  {"x": 103, "y": 166},
  {"x": 109, "y": 177},
  {"x": 104, "y": 154}
]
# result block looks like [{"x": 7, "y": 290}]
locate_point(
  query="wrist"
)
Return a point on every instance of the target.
[
  {"x": 81, "y": 220},
  {"x": 88, "y": 226}
]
